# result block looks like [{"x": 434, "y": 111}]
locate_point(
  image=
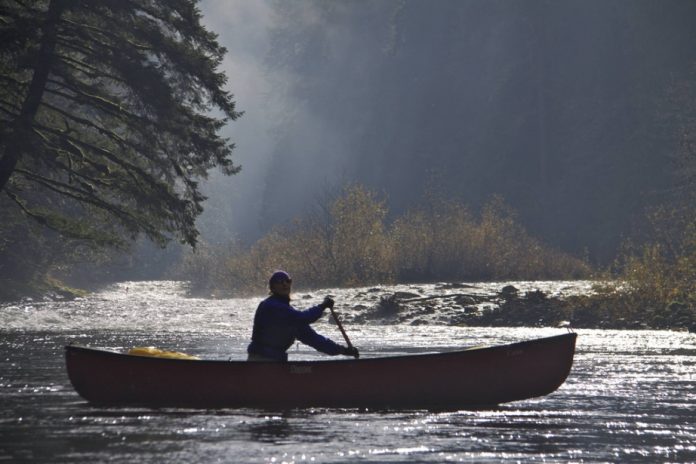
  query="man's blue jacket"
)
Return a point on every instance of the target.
[{"x": 277, "y": 325}]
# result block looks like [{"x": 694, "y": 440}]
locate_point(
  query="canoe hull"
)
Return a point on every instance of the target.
[{"x": 462, "y": 379}]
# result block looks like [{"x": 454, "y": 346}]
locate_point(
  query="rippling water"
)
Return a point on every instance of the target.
[{"x": 631, "y": 396}]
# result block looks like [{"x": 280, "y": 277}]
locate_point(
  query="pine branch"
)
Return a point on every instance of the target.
[
  {"x": 78, "y": 28},
  {"x": 67, "y": 227},
  {"x": 100, "y": 168},
  {"x": 154, "y": 17},
  {"x": 124, "y": 143},
  {"x": 91, "y": 98},
  {"x": 69, "y": 169},
  {"x": 82, "y": 67},
  {"x": 23, "y": 207},
  {"x": 116, "y": 109},
  {"x": 27, "y": 7},
  {"x": 130, "y": 119},
  {"x": 197, "y": 143},
  {"x": 14, "y": 107},
  {"x": 174, "y": 205},
  {"x": 141, "y": 128},
  {"x": 63, "y": 188},
  {"x": 181, "y": 57},
  {"x": 103, "y": 48},
  {"x": 128, "y": 167},
  {"x": 90, "y": 124},
  {"x": 12, "y": 80},
  {"x": 132, "y": 221},
  {"x": 78, "y": 48}
]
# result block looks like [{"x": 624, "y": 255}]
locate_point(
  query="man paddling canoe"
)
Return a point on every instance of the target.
[{"x": 277, "y": 325}]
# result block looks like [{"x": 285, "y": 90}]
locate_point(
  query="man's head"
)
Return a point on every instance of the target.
[{"x": 280, "y": 283}]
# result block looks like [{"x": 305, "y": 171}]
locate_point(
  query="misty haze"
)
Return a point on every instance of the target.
[
  {"x": 574, "y": 112},
  {"x": 186, "y": 187}
]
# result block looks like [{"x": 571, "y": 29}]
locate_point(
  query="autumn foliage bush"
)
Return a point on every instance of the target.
[
  {"x": 348, "y": 241},
  {"x": 446, "y": 242},
  {"x": 652, "y": 284},
  {"x": 658, "y": 277}
]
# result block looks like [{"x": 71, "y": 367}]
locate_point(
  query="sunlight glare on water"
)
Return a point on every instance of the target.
[{"x": 631, "y": 396}]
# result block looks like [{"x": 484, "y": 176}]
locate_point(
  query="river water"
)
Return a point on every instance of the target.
[{"x": 630, "y": 397}]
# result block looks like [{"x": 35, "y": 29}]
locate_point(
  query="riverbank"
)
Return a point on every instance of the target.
[
  {"x": 604, "y": 307},
  {"x": 47, "y": 289}
]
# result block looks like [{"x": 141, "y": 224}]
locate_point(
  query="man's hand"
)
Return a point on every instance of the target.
[
  {"x": 327, "y": 303},
  {"x": 352, "y": 351}
]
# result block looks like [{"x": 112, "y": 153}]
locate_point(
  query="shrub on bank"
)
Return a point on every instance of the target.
[
  {"x": 655, "y": 283},
  {"x": 660, "y": 279},
  {"x": 348, "y": 243},
  {"x": 446, "y": 242}
]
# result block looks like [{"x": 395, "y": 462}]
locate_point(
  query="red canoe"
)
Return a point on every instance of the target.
[{"x": 477, "y": 377}]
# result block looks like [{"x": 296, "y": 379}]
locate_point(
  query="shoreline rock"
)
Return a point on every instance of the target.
[{"x": 509, "y": 308}]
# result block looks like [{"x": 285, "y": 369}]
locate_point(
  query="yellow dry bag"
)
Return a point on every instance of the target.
[{"x": 157, "y": 353}]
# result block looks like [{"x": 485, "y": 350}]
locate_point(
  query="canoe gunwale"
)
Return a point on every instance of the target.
[{"x": 419, "y": 356}]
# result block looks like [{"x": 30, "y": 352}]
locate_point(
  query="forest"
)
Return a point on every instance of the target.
[{"x": 579, "y": 114}]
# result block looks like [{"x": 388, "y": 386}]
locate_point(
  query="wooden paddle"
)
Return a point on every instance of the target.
[{"x": 340, "y": 327}]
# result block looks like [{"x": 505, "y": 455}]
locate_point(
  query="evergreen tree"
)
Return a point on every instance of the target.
[{"x": 110, "y": 113}]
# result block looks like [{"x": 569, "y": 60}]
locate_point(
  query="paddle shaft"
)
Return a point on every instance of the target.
[{"x": 340, "y": 327}]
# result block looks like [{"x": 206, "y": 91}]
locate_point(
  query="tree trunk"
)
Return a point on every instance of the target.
[{"x": 20, "y": 133}]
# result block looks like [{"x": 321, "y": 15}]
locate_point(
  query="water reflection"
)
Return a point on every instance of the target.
[{"x": 274, "y": 429}]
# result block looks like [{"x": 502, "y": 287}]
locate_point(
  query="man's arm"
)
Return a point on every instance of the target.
[
  {"x": 308, "y": 336},
  {"x": 308, "y": 316}
]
